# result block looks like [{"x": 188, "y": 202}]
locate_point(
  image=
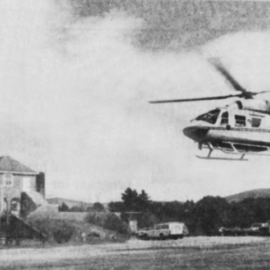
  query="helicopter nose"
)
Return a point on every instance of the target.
[{"x": 195, "y": 133}]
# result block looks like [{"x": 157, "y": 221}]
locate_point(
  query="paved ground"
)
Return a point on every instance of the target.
[{"x": 188, "y": 253}]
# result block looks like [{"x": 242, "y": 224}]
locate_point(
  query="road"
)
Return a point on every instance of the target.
[{"x": 189, "y": 253}]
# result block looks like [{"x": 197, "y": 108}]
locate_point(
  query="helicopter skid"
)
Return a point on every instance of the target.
[
  {"x": 232, "y": 151},
  {"x": 221, "y": 158},
  {"x": 211, "y": 149}
]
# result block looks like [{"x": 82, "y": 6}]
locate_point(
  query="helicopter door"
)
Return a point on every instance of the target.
[{"x": 224, "y": 118}]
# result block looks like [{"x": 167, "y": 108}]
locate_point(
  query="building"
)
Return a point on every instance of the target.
[
  {"x": 131, "y": 218},
  {"x": 22, "y": 190}
]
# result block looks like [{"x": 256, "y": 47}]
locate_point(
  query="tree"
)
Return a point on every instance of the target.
[
  {"x": 173, "y": 211},
  {"x": 98, "y": 207},
  {"x": 116, "y": 206},
  {"x": 143, "y": 201},
  {"x": 147, "y": 219},
  {"x": 249, "y": 211},
  {"x": 130, "y": 200},
  {"x": 77, "y": 208},
  {"x": 63, "y": 208},
  {"x": 211, "y": 213}
]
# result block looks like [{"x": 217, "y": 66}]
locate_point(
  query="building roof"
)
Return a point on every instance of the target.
[{"x": 10, "y": 165}]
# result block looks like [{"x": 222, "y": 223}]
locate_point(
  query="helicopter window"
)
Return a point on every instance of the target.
[
  {"x": 210, "y": 117},
  {"x": 255, "y": 122},
  {"x": 223, "y": 145},
  {"x": 240, "y": 120},
  {"x": 224, "y": 118},
  {"x": 249, "y": 148}
]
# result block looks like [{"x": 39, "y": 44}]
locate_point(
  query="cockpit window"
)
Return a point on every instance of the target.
[
  {"x": 224, "y": 118},
  {"x": 210, "y": 117}
]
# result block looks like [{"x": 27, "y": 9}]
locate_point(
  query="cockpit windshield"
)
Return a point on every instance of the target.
[{"x": 210, "y": 117}]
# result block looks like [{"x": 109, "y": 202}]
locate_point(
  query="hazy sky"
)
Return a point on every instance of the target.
[{"x": 74, "y": 104}]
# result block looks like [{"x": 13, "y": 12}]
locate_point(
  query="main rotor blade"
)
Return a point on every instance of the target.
[
  {"x": 261, "y": 92},
  {"x": 194, "y": 99},
  {"x": 227, "y": 75}
]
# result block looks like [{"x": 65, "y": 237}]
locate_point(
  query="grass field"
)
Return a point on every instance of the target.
[{"x": 189, "y": 253}]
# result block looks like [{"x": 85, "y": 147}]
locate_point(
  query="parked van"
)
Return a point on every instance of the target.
[{"x": 169, "y": 230}]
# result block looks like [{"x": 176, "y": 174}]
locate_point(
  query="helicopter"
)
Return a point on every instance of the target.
[{"x": 241, "y": 128}]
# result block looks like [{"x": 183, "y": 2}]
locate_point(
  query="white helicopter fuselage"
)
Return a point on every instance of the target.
[
  {"x": 237, "y": 129},
  {"x": 241, "y": 128}
]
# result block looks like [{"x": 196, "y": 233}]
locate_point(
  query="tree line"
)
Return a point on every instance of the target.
[
  {"x": 204, "y": 217},
  {"x": 97, "y": 207}
]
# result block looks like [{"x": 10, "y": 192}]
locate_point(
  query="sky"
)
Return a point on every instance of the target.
[{"x": 75, "y": 95}]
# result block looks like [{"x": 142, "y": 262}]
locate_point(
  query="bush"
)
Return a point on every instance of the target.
[
  {"x": 113, "y": 223},
  {"x": 63, "y": 234},
  {"x": 58, "y": 230},
  {"x": 147, "y": 219},
  {"x": 108, "y": 221}
]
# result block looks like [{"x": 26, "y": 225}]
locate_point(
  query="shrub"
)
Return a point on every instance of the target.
[
  {"x": 63, "y": 234},
  {"x": 113, "y": 223},
  {"x": 147, "y": 219},
  {"x": 58, "y": 230},
  {"x": 107, "y": 221}
]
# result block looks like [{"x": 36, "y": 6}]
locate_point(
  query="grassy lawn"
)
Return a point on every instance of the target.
[
  {"x": 227, "y": 257},
  {"x": 156, "y": 255}
]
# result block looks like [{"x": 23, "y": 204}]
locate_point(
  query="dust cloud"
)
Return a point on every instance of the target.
[{"x": 75, "y": 94}]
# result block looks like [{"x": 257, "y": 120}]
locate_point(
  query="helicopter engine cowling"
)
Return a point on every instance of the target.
[{"x": 254, "y": 105}]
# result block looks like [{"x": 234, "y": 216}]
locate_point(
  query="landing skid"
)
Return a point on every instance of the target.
[
  {"x": 211, "y": 149},
  {"x": 220, "y": 158}
]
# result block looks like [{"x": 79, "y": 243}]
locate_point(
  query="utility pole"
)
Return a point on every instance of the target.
[
  {"x": 7, "y": 221},
  {"x": 1, "y": 196},
  {"x": 1, "y": 209}
]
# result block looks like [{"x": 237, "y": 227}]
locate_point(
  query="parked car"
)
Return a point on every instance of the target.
[
  {"x": 169, "y": 230},
  {"x": 255, "y": 227},
  {"x": 236, "y": 231},
  {"x": 259, "y": 229}
]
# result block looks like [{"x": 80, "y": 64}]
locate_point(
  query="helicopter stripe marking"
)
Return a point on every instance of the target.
[
  {"x": 241, "y": 129},
  {"x": 239, "y": 135},
  {"x": 234, "y": 129}
]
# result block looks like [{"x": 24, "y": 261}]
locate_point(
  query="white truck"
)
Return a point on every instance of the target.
[{"x": 169, "y": 230}]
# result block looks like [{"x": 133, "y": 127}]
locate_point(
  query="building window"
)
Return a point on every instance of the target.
[
  {"x": 8, "y": 180},
  {"x": 240, "y": 121}
]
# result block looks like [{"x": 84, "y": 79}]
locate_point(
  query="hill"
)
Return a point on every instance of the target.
[
  {"x": 69, "y": 203},
  {"x": 256, "y": 193}
]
